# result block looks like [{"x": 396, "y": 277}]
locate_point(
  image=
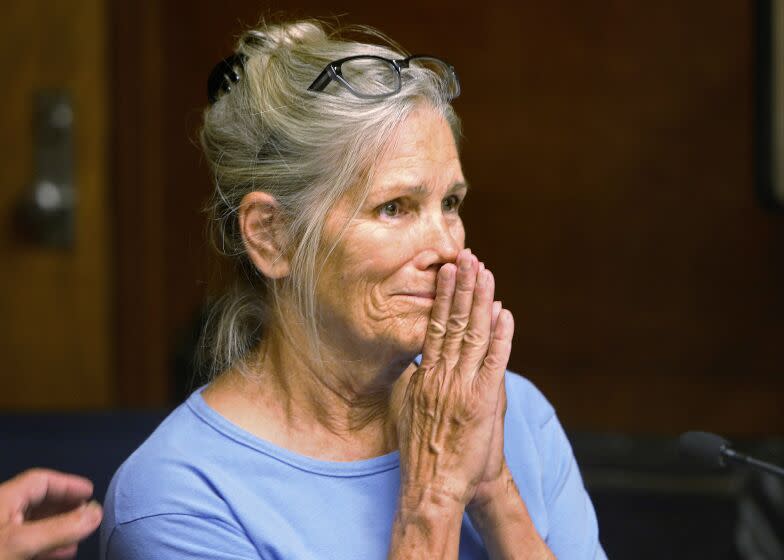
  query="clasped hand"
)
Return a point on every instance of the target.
[{"x": 450, "y": 426}]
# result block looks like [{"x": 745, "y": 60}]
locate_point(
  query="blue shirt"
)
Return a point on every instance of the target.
[{"x": 202, "y": 488}]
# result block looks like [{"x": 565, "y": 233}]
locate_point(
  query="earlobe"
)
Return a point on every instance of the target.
[{"x": 263, "y": 234}]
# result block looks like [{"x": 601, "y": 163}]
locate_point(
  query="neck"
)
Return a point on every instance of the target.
[{"x": 341, "y": 407}]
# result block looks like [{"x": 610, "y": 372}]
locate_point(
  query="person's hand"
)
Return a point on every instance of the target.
[
  {"x": 447, "y": 422},
  {"x": 44, "y": 514},
  {"x": 496, "y": 477},
  {"x": 496, "y": 470}
]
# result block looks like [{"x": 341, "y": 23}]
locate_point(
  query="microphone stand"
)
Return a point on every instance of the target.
[{"x": 731, "y": 456}]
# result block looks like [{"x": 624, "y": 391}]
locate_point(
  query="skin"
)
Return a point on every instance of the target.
[
  {"x": 399, "y": 282},
  {"x": 44, "y": 514}
]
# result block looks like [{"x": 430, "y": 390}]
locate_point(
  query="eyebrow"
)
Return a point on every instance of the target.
[{"x": 418, "y": 189}]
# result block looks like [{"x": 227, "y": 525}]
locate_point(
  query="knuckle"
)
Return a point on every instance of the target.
[
  {"x": 464, "y": 289},
  {"x": 33, "y": 472},
  {"x": 457, "y": 323},
  {"x": 475, "y": 338},
  {"x": 444, "y": 297},
  {"x": 35, "y": 476},
  {"x": 423, "y": 398},
  {"x": 494, "y": 362},
  {"x": 436, "y": 328}
]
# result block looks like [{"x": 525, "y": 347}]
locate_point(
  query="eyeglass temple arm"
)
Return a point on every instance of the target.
[{"x": 321, "y": 81}]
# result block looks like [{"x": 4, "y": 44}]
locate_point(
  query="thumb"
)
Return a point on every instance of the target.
[
  {"x": 397, "y": 400},
  {"x": 36, "y": 537},
  {"x": 497, "y": 358}
]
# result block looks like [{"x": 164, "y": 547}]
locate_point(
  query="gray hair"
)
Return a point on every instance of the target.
[{"x": 307, "y": 150}]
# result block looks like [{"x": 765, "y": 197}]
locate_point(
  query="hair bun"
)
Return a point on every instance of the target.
[{"x": 284, "y": 35}]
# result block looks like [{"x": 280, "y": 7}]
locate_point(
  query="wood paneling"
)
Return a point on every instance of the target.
[
  {"x": 55, "y": 305},
  {"x": 611, "y": 149},
  {"x": 141, "y": 93}
]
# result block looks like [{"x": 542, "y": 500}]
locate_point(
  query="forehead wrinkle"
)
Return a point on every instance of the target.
[{"x": 401, "y": 189}]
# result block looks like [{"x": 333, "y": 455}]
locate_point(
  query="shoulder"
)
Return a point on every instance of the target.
[
  {"x": 177, "y": 536},
  {"x": 167, "y": 474},
  {"x": 530, "y": 417},
  {"x": 525, "y": 400},
  {"x": 543, "y": 464},
  {"x": 169, "y": 494},
  {"x": 167, "y": 486}
]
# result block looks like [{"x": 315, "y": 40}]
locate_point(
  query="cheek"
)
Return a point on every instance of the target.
[
  {"x": 377, "y": 254},
  {"x": 352, "y": 277},
  {"x": 458, "y": 232},
  {"x": 368, "y": 265}
]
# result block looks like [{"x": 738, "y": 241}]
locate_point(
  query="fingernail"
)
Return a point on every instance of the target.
[
  {"x": 465, "y": 263},
  {"x": 92, "y": 509}
]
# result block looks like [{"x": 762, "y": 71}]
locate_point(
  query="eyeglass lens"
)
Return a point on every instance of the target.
[
  {"x": 370, "y": 76},
  {"x": 377, "y": 77},
  {"x": 448, "y": 79}
]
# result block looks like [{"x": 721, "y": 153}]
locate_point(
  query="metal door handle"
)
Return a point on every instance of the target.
[{"x": 45, "y": 214}]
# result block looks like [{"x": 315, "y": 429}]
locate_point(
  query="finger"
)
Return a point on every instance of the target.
[
  {"x": 497, "y": 306},
  {"x": 43, "y": 486},
  {"x": 477, "y": 336},
  {"x": 501, "y": 410},
  {"x": 57, "y": 532},
  {"x": 460, "y": 311},
  {"x": 61, "y": 553},
  {"x": 494, "y": 364},
  {"x": 400, "y": 392},
  {"x": 439, "y": 314}
]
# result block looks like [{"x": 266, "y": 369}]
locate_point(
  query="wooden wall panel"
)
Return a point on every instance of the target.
[
  {"x": 55, "y": 303},
  {"x": 611, "y": 149},
  {"x": 140, "y": 95}
]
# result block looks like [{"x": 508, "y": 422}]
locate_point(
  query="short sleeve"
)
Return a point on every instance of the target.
[
  {"x": 178, "y": 536},
  {"x": 574, "y": 531}
]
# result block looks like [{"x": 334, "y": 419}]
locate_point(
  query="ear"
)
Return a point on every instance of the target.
[{"x": 263, "y": 234}]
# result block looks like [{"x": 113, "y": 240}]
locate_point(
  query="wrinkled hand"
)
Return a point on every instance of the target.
[
  {"x": 447, "y": 426},
  {"x": 44, "y": 514},
  {"x": 496, "y": 475}
]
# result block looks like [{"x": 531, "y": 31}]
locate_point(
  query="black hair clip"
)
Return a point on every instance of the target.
[{"x": 223, "y": 75}]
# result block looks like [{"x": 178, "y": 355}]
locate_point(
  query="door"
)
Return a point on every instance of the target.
[{"x": 55, "y": 316}]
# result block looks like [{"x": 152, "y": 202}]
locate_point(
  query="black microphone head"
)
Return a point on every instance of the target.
[{"x": 703, "y": 447}]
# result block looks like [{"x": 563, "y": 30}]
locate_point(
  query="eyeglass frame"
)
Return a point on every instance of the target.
[{"x": 332, "y": 71}]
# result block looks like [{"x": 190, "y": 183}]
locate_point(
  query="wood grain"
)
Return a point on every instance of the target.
[
  {"x": 611, "y": 149},
  {"x": 55, "y": 306}
]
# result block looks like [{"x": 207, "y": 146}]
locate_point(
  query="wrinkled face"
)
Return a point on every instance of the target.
[{"x": 377, "y": 288}]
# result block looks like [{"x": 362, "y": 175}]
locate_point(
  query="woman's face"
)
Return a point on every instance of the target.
[{"x": 377, "y": 287}]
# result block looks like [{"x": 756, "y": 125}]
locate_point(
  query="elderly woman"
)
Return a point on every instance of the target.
[{"x": 360, "y": 406}]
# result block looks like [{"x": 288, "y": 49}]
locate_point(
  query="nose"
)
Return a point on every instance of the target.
[{"x": 441, "y": 241}]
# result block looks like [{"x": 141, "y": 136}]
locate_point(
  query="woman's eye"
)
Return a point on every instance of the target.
[
  {"x": 391, "y": 209},
  {"x": 451, "y": 203}
]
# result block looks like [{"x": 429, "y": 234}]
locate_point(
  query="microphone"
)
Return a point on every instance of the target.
[{"x": 713, "y": 450}]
